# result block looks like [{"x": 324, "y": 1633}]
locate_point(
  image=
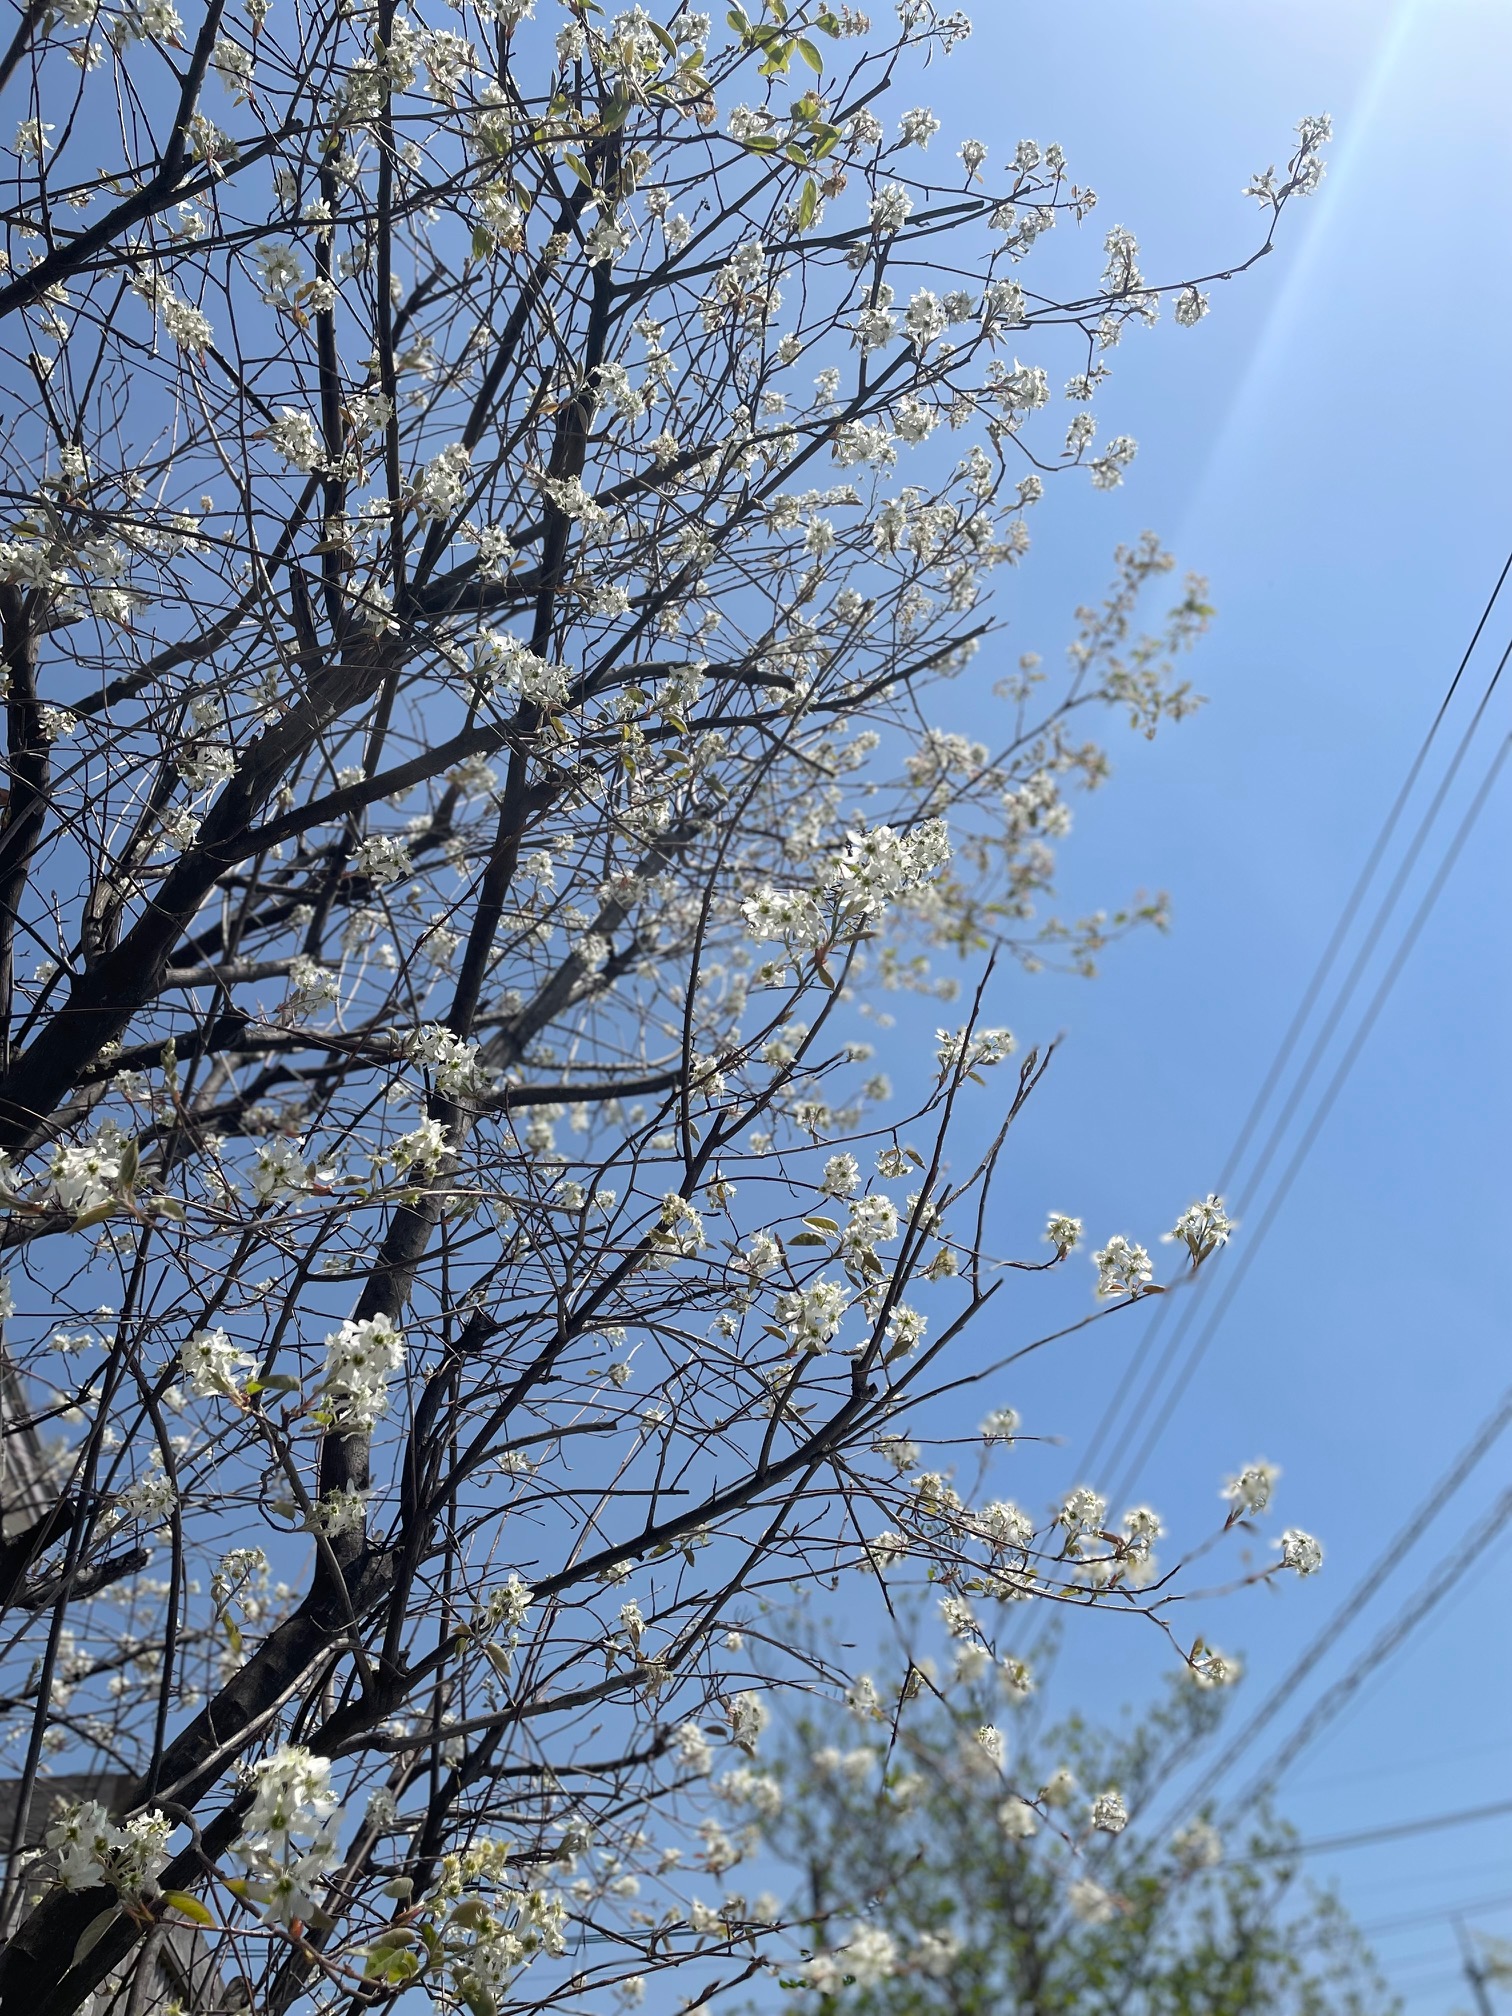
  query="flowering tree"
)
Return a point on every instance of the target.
[
  {"x": 481, "y": 539},
  {"x": 933, "y": 1885}
]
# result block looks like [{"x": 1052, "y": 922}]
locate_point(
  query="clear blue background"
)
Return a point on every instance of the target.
[{"x": 1332, "y": 448}]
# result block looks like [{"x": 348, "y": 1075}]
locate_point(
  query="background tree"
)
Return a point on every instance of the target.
[
  {"x": 488, "y": 502},
  {"x": 982, "y": 1886}
]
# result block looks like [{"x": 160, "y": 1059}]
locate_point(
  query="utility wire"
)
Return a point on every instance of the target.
[
  {"x": 1234, "y": 1278},
  {"x": 1357, "y": 894},
  {"x": 1432, "y": 1823},
  {"x": 1400, "y": 1767},
  {"x": 1446, "y": 1576},
  {"x": 1379, "y": 1929},
  {"x": 1391, "y": 1555},
  {"x": 1310, "y": 998}
]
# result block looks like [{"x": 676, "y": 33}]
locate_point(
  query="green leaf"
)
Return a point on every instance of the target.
[
  {"x": 807, "y": 1239},
  {"x": 188, "y": 1907},
  {"x": 738, "y": 22},
  {"x": 578, "y": 169},
  {"x": 170, "y": 1207},
  {"x": 131, "y": 1161},
  {"x": 810, "y": 55},
  {"x": 796, "y": 154},
  {"x": 761, "y": 143},
  {"x": 391, "y": 1966},
  {"x": 808, "y": 203},
  {"x": 95, "y": 1217},
  {"x": 821, "y": 1224},
  {"x": 276, "y": 1382},
  {"x": 92, "y": 1934}
]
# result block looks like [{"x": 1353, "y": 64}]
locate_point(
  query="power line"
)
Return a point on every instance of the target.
[
  {"x": 1449, "y": 1572},
  {"x": 1234, "y": 1278},
  {"x": 1309, "y": 1000},
  {"x": 1401, "y": 1766},
  {"x": 1399, "y": 1830},
  {"x": 1392, "y": 1554},
  {"x": 1502, "y": 1901}
]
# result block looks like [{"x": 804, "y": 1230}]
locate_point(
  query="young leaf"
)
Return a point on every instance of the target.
[
  {"x": 188, "y": 1907},
  {"x": 93, "y": 1933}
]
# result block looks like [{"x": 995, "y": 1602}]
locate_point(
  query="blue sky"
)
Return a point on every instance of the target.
[{"x": 1331, "y": 448}]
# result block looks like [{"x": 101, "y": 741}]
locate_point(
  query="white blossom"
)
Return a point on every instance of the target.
[
  {"x": 1122, "y": 1267},
  {"x": 281, "y": 1169},
  {"x": 506, "y": 1607},
  {"x": 359, "y": 1359},
  {"x": 890, "y": 208},
  {"x": 152, "y": 1497},
  {"x": 383, "y": 858},
  {"x": 1016, "y": 1818},
  {"x": 289, "y": 1843},
  {"x": 423, "y": 1148},
  {"x": 294, "y": 436},
  {"x": 92, "y": 1849},
  {"x": 1250, "y": 1489},
  {"x": 1109, "y": 1814},
  {"x": 213, "y": 1364},
  {"x": 812, "y": 1315},
  {"x": 959, "y": 1050},
  {"x": 694, "y": 1750},
  {"x": 87, "y": 1174},
  {"x": 748, "y": 1715},
  {"x": 1090, "y": 1902},
  {"x": 1202, "y": 1228},
  {"x": 1300, "y": 1551},
  {"x": 455, "y": 1063},
  {"x": 1191, "y": 306}
]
